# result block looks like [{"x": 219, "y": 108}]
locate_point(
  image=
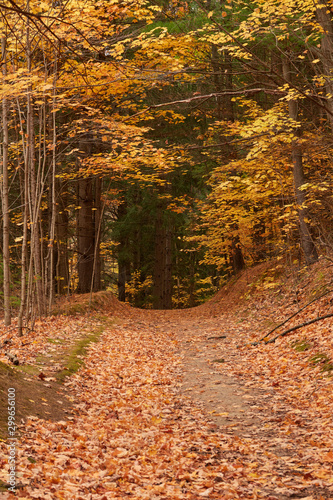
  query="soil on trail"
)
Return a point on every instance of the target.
[
  {"x": 204, "y": 346},
  {"x": 35, "y": 397},
  {"x": 226, "y": 399},
  {"x": 233, "y": 403},
  {"x": 207, "y": 338},
  {"x": 46, "y": 361}
]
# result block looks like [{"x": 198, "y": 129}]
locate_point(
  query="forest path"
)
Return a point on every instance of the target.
[
  {"x": 204, "y": 346},
  {"x": 254, "y": 410},
  {"x": 158, "y": 415}
]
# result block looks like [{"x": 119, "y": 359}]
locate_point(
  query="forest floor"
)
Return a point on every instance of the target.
[{"x": 177, "y": 404}]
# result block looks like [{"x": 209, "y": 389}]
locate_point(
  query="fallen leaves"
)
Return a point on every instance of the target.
[{"x": 132, "y": 433}]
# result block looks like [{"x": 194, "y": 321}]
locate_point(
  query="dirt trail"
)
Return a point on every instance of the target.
[
  {"x": 225, "y": 398},
  {"x": 257, "y": 413},
  {"x": 205, "y": 347},
  {"x": 185, "y": 413}
]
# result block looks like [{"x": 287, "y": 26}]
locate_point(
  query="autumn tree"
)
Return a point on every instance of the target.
[
  {"x": 190, "y": 138},
  {"x": 277, "y": 49}
]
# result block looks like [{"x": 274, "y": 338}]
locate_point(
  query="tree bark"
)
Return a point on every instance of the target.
[
  {"x": 124, "y": 264},
  {"x": 307, "y": 244},
  {"x": 61, "y": 235},
  {"x": 5, "y": 194},
  {"x": 162, "y": 277},
  {"x": 96, "y": 283},
  {"x": 24, "y": 251},
  {"x": 85, "y": 234},
  {"x": 324, "y": 18},
  {"x": 35, "y": 282},
  {"x": 53, "y": 194},
  {"x": 236, "y": 255}
]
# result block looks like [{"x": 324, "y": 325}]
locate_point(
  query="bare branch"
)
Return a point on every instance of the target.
[
  {"x": 293, "y": 315},
  {"x": 306, "y": 323}
]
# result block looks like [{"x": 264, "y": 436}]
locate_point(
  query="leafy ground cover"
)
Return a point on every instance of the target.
[{"x": 184, "y": 404}]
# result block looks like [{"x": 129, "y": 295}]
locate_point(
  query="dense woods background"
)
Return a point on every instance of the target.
[{"x": 157, "y": 148}]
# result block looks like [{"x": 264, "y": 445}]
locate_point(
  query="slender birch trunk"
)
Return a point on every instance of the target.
[
  {"x": 5, "y": 193},
  {"x": 35, "y": 190},
  {"x": 53, "y": 193},
  {"x": 25, "y": 214}
]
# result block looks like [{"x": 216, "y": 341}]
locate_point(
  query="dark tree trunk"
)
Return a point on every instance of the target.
[
  {"x": 258, "y": 238},
  {"x": 98, "y": 215},
  {"x": 124, "y": 264},
  {"x": 123, "y": 277},
  {"x": 162, "y": 276},
  {"x": 85, "y": 234},
  {"x": 61, "y": 250},
  {"x": 236, "y": 255},
  {"x": 222, "y": 77},
  {"x": 88, "y": 226},
  {"x": 228, "y": 106},
  {"x": 307, "y": 243},
  {"x": 324, "y": 17}
]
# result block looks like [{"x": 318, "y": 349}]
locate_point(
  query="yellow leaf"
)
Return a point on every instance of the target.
[{"x": 253, "y": 475}]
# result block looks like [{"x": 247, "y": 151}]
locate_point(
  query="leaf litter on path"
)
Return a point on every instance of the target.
[{"x": 135, "y": 433}]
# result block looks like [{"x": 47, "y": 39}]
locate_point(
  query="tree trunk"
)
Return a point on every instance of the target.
[
  {"x": 61, "y": 235},
  {"x": 5, "y": 193},
  {"x": 124, "y": 264},
  {"x": 258, "y": 239},
  {"x": 35, "y": 284},
  {"x": 324, "y": 17},
  {"x": 85, "y": 234},
  {"x": 236, "y": 255},
  {"x": 24, "y": 252},
  {"x": 307, "y": 244},
  {"x": 98, "y": 219},
  {"x": 228, "y": 84},
  {"x": 162, "y": 277},
  {"x": 222, "y": 77},
  {"x": 53, "y": 196}
]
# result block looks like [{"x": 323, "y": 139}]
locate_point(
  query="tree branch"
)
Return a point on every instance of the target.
[
  {"x": 292, "y": 316},
  {"x": 306, "y": 323}
]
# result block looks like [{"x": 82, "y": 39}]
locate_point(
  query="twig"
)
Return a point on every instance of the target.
[
  {"x": 8, "y": 329},
  {"x": 306, "y": 323},
  {"x": 292, "y": 316},
  {"x": 219, "y": 337}
]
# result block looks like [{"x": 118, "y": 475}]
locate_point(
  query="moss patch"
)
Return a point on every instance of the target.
[
  {"x": 3, "y": 486},
  {"x": 45, "y": 397},
  {"x": 325, "y": 363},
  {"x": 56, "y": 341},
  {"x": 73, "y": 360},
  {"x": 301, "y": 345}
]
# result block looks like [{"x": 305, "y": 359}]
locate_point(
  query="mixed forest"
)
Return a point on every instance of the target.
[
  {"x": 166, "y": 154},
  {"x": 155, "y": 148}
]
